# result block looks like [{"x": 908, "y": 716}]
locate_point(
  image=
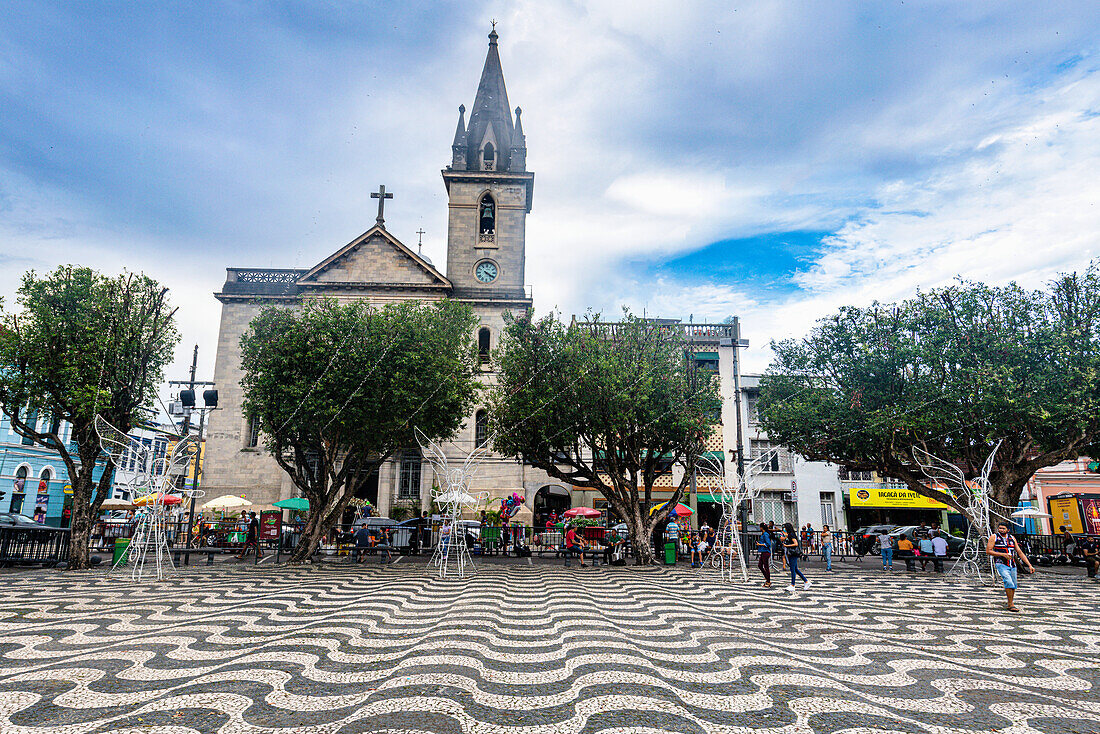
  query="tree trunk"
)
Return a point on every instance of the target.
[
  {"x": 80, "y": 529},
  {"x": 641, "y": 535},
  {"x": 311, "y": 536}
]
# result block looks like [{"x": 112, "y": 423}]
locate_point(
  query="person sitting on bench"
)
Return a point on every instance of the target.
[{"x": 574, "y": 544}]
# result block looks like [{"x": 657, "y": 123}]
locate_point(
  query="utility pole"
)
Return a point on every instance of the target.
[
  {"x": 738, "y": 343},
  {"x": 185, "y": 430}
]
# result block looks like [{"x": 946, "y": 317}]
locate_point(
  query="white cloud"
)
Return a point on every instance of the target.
[{"x": 935, "y": 141}]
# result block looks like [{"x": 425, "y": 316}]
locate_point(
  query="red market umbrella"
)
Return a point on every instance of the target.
[{"x": 582, "y": 512}]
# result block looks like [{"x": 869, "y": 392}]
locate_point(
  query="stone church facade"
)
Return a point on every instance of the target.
[{"x": 489, "y": 193}]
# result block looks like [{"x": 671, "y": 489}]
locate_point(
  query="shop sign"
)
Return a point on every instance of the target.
[
  {"x": 270, "y": 524},
  {"x": 893, "y": 497},
  {"x": 1065, "y": 511},
  {"x": 1092, "y": 515}
]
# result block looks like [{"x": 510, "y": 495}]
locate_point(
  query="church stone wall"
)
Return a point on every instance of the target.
[
  {"x": 375, "y": 261},
  {"x": 230, "y": 467},
  {"x": 463, "y": 248}
]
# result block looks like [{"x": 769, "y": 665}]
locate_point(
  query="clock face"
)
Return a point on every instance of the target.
[{"x": 486, "y": 272}]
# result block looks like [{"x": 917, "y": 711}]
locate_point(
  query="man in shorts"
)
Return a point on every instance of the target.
[{"x": 1005, "y": 551}]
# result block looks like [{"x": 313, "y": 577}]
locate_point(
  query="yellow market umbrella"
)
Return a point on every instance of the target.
[{"x": 226, "y": 502}]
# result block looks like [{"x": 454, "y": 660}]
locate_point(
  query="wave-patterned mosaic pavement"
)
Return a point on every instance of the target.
[{"x": 540, "y": 650}]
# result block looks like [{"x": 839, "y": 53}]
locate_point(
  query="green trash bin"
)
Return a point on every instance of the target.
[
  {"x": 670, "y": 554},
  {"x": 122, "y": 550}
]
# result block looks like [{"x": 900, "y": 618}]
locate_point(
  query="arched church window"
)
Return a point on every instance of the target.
[
  {"x": 483, "y": 346},
  {"x": 488, "y": 156},
  {"x": 481, "y": 428},
  {"x": 487, "y": 212}
]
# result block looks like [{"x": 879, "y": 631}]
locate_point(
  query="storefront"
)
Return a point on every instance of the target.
[
  {"x": 1079, "y": 513},
  {"x": 894, "y": 505}
]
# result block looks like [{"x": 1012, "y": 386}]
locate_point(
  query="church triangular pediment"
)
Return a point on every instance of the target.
[{"x": 375, "y": 257}]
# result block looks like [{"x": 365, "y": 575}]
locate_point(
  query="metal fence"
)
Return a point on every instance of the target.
[
  {"x": 25, "y": 545},
  {"x": 50, "y": 545}
]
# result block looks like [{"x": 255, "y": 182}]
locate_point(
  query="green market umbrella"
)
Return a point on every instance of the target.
[{"x": 300, "y": 504}]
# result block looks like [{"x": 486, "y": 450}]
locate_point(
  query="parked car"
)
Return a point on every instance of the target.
[
  {"x": 954, "y": 545},
  {"x": 14, "y": 519},
  {"x": 866, "y": 538}
]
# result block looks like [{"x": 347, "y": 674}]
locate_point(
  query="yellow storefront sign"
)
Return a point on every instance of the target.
[{"x": 892, "y": 497}]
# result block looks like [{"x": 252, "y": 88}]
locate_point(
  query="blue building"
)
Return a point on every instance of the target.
[{"x": 33, "y": 478}]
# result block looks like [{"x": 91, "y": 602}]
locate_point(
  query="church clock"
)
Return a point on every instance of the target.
[{"x": 486, "y": 271}]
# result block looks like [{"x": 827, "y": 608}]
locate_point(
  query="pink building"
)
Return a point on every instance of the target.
[{"x": 1069, "y": 477}]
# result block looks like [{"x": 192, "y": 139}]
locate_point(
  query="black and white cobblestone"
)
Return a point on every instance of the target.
[{"x": 542, "y": 650}]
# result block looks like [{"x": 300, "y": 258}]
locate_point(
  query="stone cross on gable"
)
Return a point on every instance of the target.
[
  {"x": 420, "y": 241},
  {"x": 381, "y": 195}
]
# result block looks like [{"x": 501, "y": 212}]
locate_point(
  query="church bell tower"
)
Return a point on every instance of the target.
[{"x": 489, "y": 192}]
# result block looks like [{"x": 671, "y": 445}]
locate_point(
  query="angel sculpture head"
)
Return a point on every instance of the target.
[
  {"x": 733, "y": 487},
  {"x": 151, "y": 476},
  {"x": 454, "y": 481},
  {"x": 971, "y": 496}
]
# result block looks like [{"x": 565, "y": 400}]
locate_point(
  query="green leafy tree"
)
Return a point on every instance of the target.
[
  {"x": 606, "y": 406},
  {"x": 337, "y": 389},
  {"x": 953, "y": 372},
  {"x": 83, "y": 344}
]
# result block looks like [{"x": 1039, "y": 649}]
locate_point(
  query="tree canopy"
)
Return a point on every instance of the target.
[
  {"x": 337, "y": 389},
  {"x": 952, "y": 371},
  {"x": 83, "y": 344},
  {"x": 606, "y": 406}
]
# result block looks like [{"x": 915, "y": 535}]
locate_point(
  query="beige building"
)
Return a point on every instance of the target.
[{"x": 489, "y": 196}]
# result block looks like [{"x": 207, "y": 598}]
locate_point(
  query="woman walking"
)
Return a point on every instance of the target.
[
  {"x": 764, "y": 548},
  {"x": 793, "y": 551}
]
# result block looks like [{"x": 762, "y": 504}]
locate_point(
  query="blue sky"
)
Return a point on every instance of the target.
[{"x": 774, "y": 159}]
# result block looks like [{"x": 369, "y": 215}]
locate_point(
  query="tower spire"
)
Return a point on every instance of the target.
[
  {"x": 490, "y": 117},
  {"x": 458, "y": 147}
]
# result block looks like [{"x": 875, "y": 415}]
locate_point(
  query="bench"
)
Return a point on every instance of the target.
[
  {"x": 209, "y": 550},
  {"x": 596, "y": 554}
]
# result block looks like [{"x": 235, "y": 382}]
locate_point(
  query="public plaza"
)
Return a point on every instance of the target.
[{"x": 531, "y": 647}]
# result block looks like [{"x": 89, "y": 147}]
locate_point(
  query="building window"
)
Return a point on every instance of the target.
[
  {"x": 32, "y": 423},
  {"x": 488, "y": 157},
  {"x": 771, "y": 507},
  {"x": 481, "y": 428},
  {"x": 828, "y": 510},
  {"x": 484, "y": 353},
  {"x": 774, "y": 461},
  {"x": 750, "y": 407},
  {"x": 408, "y": 484},
  {"x": 487, "y": 215},
  {"x": 847, "y": 475},
  {"x": 253, "y": 433},
  {"x": 20, "y": 487}
]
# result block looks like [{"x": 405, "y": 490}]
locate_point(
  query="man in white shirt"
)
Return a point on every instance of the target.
[{"x": 939, "y": 547}]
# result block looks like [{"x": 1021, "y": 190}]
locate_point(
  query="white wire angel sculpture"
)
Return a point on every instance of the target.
[
  {"x": 974, "y": 500},
  {"x": 452, "y": 493},
  {"x": 151, "y": 487},
  {"x": 733, "y": 490}
]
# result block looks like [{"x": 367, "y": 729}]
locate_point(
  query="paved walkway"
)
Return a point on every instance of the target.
[{"x": 539, "y": 650}]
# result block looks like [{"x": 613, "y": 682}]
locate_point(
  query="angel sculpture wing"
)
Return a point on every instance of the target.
[
  {"x": 987, "y": 467},
  {"x": 183, "y": 454},
  {"x": 473, "y": 462},
  {"x": 942, "y": 472},
  {"x": 119, "y": 445},
  {"x": 434, "y": 456}
]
